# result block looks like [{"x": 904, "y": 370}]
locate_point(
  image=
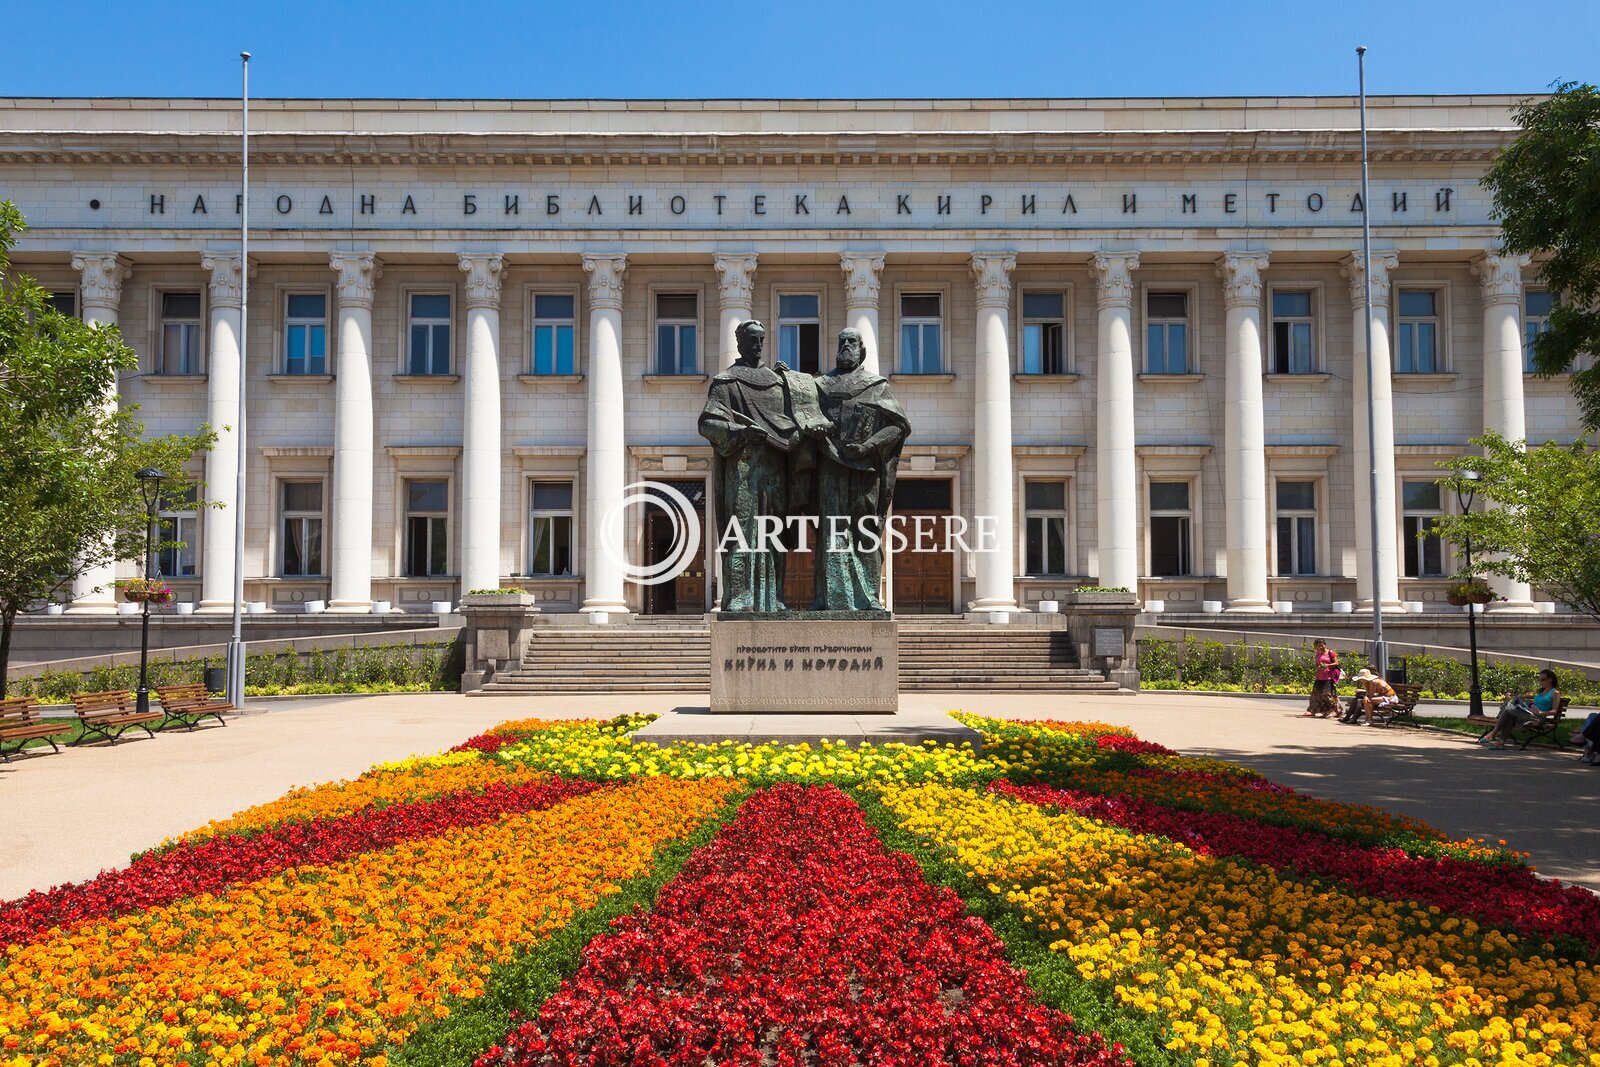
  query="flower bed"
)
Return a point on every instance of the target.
[{"x": 1119, "y": 897}]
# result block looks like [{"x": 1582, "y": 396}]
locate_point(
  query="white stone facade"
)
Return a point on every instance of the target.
[{"x": 1179, "y": 219}]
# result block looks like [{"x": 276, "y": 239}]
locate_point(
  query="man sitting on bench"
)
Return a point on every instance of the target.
[{"x": 1372, "y": 694}]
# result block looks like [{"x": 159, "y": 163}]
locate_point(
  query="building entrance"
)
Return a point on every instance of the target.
[
  {"x": 685, "y": 594},
  {"x": 924, "y": 582}
]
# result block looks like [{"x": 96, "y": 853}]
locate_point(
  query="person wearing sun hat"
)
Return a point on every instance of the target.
[{"x": 1372, "y": 694}]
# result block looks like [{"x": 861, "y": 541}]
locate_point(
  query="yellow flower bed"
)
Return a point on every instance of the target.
[
  {"x": 317, "y": 964},
  {"x": 1248, "y": 967}
]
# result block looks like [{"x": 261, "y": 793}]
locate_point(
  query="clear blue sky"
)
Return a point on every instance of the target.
[{"x": 625, "y": 48}]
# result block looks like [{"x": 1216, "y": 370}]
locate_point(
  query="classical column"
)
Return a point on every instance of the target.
[
  {"x": 736, "y": 284},
  {"x": 100, "y": 290},
  {"x": 223, "y": 368},
  {"x": 602, "y": 528},
  {"x": 352, "y": 433},
  {"x": 1244, "y": 432},
  {"x": 1501, "y": 282},
  {"x": 991, "y": 443},
  {"x": 1116, "y": 478},
  {"x": 1382, "y": 420},
  {"x": 862, "y": 271},
  {"x": 480, "y": 424}
]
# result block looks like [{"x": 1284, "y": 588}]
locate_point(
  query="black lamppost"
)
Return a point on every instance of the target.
[
  {"x": 150, "y": 487},
  {"x": 1466, "y": 490}
]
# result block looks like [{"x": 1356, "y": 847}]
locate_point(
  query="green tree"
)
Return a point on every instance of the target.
[
  {"x": 69, "y": 497},
  {"x": 1546, "y": 188},
  {"x": 1543, "y": 525}
]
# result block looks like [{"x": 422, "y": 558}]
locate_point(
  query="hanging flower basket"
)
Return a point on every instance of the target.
[{"x": 142, "y": 590}]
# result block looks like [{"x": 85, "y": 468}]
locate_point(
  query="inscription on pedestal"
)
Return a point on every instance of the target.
[{"x": 804, "y": 665}]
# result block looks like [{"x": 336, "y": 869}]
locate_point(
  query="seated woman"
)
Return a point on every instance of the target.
[
  {"x": 1517, "y": 709},
  {"x": 1372, "y": 694}
]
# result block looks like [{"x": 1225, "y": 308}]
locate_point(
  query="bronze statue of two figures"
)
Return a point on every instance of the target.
[{"x": 802, "y": 460}]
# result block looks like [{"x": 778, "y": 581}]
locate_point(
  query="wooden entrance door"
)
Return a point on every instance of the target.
[
  {"x": 924, "y": 582},
  {"x": 685, "y": 594}
]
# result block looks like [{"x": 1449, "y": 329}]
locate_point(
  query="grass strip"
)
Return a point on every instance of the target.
[
  {"x": 1052, "y": 976},
  {"x": 519, "y": 988}
]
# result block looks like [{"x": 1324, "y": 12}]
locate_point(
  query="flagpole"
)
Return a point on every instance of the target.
[
  {"x": 236, "y": 649},
  {"x": 1380, "y": 653}
]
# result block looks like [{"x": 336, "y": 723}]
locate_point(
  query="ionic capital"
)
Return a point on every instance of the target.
[
  {"x": 861, "y": 278},
  {"x": 1500, "y": 277},
  {"x": 736, "y": 282},
  {"x": 1113, "y": 282},
  {"x": 1241, "y": 278},
  {"x": 991, "y": 273},
  {"x": 605, "y": 270},
  {"x": 483, "y": 278},
  {"x": 1383, "y": 264},
  {"x": 227, "y": 278},
  {"x": 358, "y": 277},
  {"x": 102, "y": 276}
]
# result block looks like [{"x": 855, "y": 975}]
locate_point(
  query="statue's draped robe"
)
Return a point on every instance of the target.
[
  {"x": 863, "y": 411},
  {"x": 750, "y": 481}
]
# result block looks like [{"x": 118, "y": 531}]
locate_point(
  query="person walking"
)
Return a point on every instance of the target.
[{"x": 1324, "y": 698}]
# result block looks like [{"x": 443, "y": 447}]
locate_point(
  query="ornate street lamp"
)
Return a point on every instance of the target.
[
  {"x": 150, "y": 487},
  {"x": 1466, "y": 490}
]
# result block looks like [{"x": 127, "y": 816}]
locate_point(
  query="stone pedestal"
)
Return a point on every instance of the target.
[
  {"x": 1101, "y": 625},
  {"x": 495, "y": 634},
  {"x": 804, "y": 664}
]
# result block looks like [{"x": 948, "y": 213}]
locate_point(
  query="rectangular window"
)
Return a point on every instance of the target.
[
  {"x": 677, "y": 326},
  {"x": 1421, "y": 507},
  {"x": 427, "y": 529},
  {"x": 554, "y": 316},
  {"x": 922, "y": 333},
  {"x": 1536, "y": 305},
  {"x": 1044, "y": 333},
  {"x": 1166, "y": 333},
  {"x": 1044, "y": 505},
  {"x": 1297, "y": 527},
  {"x": 428, "y": 334},
  {"x": 179, "y": 532},
  {"x": 1291, "y": 333},
  {"x": 1170, "y": 527},
  {"x": 800, "y": 331},
  {"x": 66, "y": 303},
  {"x": 305, "y": 334},
  {"x": 550, "y": 529},
  {"x": 180, "y": 334},
  {"x": 302, "y": 529},
  {"x": 1417, "y": 339}
]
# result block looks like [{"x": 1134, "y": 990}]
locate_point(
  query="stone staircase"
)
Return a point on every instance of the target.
[{"x": 673, "y": 655}]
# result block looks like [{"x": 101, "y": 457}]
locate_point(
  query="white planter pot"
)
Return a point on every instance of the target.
[
  {"x": 256, "y": 607},
  {"x": 1414, "y": 607},
  {"x": 127, "y": 609},
  {"x": 1283, "y": 607},
  {"x": 1157, "y": 606},
  {"x": 1546, "y": 607},
  {"x": 599, "y": 618},
  {"x": 1211, "y": 607},
  {"x": 185, "y": 608},
  {"x": 316, "y": 607},
  {"x": 999, "y": 618},
  {"x": 1343, "y": 607},
  {"x": 54, "y": 609},
  {"x": 1049, "y": 607},
  {"x": 381, "y": 607},
  {"x": 440, "y": 607}
]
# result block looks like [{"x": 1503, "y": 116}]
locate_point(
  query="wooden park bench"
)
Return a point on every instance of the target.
[
  {"x": 188, "y": 704},
  {"x": 20, "y": 723},
  {"x": 1405, "y": 711},
  {"x": 110, "y": 714},
  {"x": 1544, "y": 724}
]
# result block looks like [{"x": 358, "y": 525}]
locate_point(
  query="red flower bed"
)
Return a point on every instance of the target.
[
  {"x": 1512, "y": 898},
  {"x": 795, "y": 938},
  {"x": 487, "y": 743},
  {"x": 1133, "y": 745},
  {"x": 212, "y": 865}
]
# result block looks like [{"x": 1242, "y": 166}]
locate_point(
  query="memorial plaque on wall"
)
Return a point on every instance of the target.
[
  {"x": 805, "y": 665},
  {"x": 1109, "y": 641}
]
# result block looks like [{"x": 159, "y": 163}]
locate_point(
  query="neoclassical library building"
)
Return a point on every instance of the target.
[{"x": 1129, "y": 331}]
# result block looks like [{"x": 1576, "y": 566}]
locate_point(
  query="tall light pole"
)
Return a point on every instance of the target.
[
  {"x": 1380, "y": 652},
  {"x": 150, "y": 488},
  {"x": 235, "y": 684},
  {"x": 1466, "y": 491}
]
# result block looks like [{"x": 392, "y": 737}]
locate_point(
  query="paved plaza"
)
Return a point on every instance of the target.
[{"x": 74, "y": 814}]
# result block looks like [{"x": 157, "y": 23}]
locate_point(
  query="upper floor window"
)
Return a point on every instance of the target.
[
  {"x": 1045, "y": 509},
  {"x": 427, "y": 528},
  {"x": 428, "y": 336},
  {"x": 1417, "y": 339},
  {"x": 1297, "y": 527},
  {"x": 64, "y": 302},
  {"x": 550, "y": 529},
  {"x": 1171, "y": 529},
  {"x": 1421, "y": 506},
  {"x": 800, "y": 331},
  {"x": 305, "y": 334},
  {"x": 1292, "y": 351},
  {"x": 677, "y": 333},
  {"x": 180, "y": 534},
  {"x": 180, "y": 334},
  {"x": 922, "y": 333},
  {"x": 1044, "y": 333},
  {"x": 1536, "y": 305},
  {"x": 1166, "y": 333},
  {"x": 554, "y": 316},
  {"x": 301, "y": 512}
]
